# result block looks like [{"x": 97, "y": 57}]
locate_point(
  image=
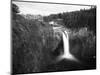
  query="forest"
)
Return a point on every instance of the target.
[
  {"x": 33, "y": 41},
  {"x": 76, "y": 19}
]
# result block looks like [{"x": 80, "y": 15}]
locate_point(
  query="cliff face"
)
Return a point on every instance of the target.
[
  {"x": 37, "y": 41},
  {"x": 32, "y": 43},
  {"x": 36, "y": 44}
]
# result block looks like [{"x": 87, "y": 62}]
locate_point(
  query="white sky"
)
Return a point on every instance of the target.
[{"x": 46, "y": 9}]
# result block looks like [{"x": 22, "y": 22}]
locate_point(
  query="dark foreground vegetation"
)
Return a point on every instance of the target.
[{"x": 34, "y": 49}]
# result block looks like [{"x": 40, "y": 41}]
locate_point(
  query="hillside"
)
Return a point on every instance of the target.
[
  {"x": 35, "y": 46},
  {"x": 76, "y": 19}
]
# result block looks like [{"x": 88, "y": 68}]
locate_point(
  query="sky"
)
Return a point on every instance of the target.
[{"x": 45, "y": 9}]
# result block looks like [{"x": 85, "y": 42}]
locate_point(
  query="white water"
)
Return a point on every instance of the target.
[{"x": 66, "y": 54}]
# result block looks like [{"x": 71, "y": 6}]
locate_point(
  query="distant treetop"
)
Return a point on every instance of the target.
[{"x": 15, "y": 8}]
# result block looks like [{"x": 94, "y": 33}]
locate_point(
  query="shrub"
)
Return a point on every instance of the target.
[{"x": 30, "y": 45}]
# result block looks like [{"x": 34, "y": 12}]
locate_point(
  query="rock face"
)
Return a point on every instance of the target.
[
  {"x": 67, "y": 54},
  {"x": 36, "y": 45},
  {"x": 31, "y": 45},
  {"x": 61, "y": 33}
]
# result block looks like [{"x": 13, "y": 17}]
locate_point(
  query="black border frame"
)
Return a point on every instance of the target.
[{"x": 49, "y": 3}]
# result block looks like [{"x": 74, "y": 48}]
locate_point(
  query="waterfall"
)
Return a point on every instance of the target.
[{"x": 66, "y": 54}]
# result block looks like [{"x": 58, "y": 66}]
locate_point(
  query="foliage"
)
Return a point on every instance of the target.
[
  {"x": 31, "y": 39},
  {"x": 15, "y": 8},
  {"x": 34, "y": 45},
  {"x": 76, "y": 19},
  {"x": 83, "y": 45}
]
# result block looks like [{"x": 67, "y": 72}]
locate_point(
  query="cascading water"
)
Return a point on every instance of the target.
[{"x": 66, "y": 54}]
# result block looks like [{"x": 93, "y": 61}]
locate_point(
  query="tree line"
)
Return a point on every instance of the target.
[{"x": 76, "y": 19}]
